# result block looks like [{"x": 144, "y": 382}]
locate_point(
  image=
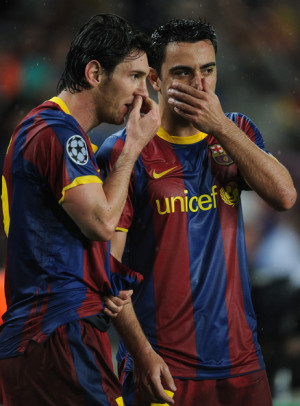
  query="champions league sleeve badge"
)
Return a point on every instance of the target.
[
  {"x": 219, "y": 155},
  {"x": 77, "y": 149}
]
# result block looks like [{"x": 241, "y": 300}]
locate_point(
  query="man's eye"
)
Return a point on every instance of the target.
[
  {"x": 182, "y": 73},
  {"x": 207, "y": 71}
]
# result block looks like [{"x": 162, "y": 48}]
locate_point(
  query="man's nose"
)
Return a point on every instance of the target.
[
  {"x": 143, "y": 89},
  {"x": 196, "y": 81}
]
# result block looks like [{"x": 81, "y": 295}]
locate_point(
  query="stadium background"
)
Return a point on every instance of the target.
[{"x": 258, "y": 75}]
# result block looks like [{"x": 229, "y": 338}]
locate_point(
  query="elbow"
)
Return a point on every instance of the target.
[
  {"x": 288, "y": 200},
  {"x": 100, "y": 232}
]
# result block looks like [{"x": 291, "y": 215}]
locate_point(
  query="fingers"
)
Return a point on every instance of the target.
[
  {"x": 159, "y": 394},
  {"x": 147, "y": 105},
  {"x": 183, "y": 89},
  {"x": 112, "y": 309},
  {"x": 125, "y": 294},
  {"x": 204, "y": 85},
  {"x": 154, "y": 379},
  {"x": 168, "y": 379},
  {"x": 115, "y": 304},
  {"x": 168, "y": 382},
  {"x": 136, "y": 107}
]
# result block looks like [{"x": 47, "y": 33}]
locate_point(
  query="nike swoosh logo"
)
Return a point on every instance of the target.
[{"x": 159, "y": 175}]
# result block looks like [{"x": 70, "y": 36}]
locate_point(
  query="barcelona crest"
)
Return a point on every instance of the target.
[{"x": 219, "y": 155}]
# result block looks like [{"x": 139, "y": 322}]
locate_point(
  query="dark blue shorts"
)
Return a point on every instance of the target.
[{"x": 71, "y": 368}]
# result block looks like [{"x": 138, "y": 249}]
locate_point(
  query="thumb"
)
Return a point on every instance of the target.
[{"x": 124, "y": 294}]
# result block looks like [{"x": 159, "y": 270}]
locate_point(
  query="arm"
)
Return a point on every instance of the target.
[
  {"x": 149, "y": 368},
  {"x": 262, "y": 172},
  {"x": 96, "y": 208}
]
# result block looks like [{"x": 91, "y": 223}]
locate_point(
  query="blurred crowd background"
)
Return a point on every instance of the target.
[{"x": 258, "y": 74}]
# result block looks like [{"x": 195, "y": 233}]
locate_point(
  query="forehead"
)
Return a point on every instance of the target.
[
  {"x": 133, "y": 63},
  {"x": 186, "y": 53}
]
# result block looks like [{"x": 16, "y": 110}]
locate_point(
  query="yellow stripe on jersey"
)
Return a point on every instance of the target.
[
  {"x": 61, "y": 104},
  {"x": 9, "y": 145},
  {"x": 5, "y": 206},
  {"x": 120, "y": 401},
  {"x": 81, "y": 180},
  {"x": 192, "y": 139},
  {"x": 94, "y": 147},
  {"x": 125, "y": 230}
]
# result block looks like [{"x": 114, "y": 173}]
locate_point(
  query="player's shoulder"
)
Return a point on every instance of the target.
[
  {"x": 243, "y": 122},
  {"x": 49, "y": 116}
]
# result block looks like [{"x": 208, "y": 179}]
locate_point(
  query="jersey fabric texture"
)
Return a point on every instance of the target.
[
  {"x": 186, "y": 236},
  {"x": 54, "y": 274}
]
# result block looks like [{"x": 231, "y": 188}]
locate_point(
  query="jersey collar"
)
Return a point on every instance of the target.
[
  {"x": 61, "y": 104},
  {"x": 191, "y": 139}
]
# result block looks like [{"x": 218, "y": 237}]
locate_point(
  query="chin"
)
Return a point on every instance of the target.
[{"x": 120, "y": 120}]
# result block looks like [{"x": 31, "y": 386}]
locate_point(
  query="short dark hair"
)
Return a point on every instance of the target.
[
  {"x": 178, "y": 30},
  {"x": 107, "y": 38}
]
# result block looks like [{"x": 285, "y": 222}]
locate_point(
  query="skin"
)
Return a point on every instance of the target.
[
  {"x": 96, "y": 208},
  {"x": 188, "y": 104}
]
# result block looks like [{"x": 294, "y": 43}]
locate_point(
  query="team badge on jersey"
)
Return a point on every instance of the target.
[
  {"x": 77, "y": 149},
  {"x": 230, "y": 194},
  {"x": 219, "y": 155}
]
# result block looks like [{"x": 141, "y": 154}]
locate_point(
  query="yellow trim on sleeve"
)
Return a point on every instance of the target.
[
  {"x": 120, "y": 401},
  {"x": 9, "y": 145},
  {"x": 192, "y": 139},
  {"x": 94, "y": 147},
  {"x": 5, "y": 206},
  {"x": 81, "y": 180},
  {"x": 125, "y": 230}
]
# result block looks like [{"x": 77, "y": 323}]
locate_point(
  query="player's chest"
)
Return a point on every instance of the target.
[{"x": 192, "y": 169}]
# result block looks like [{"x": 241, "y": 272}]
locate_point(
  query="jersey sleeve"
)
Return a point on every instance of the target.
[
  {"x": 249, "y": 128},
  {"x": 122, "y": 277},
  {"x": 64, "y": 158},
  {"x": 106, "y": 157},
  {"x": 252, "y": 131}
]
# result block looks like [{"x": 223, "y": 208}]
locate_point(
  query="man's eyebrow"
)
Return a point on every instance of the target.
[
  {"x": 186, "y": 67},
  {"x": 139, "y": 72},
  {"x": 178, "y": 67},
  {"x": 208, "y": 65}
]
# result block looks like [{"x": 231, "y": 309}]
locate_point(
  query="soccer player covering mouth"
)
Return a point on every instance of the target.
[
  {"x": 61, "y": 283},
  {"x": 182, "y": 228}
]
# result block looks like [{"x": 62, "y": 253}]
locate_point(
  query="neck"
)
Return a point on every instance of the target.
[
  {"x": 176, "y": 126},
  {"x": 173, "y": 124},
  {"x": 81, "y": 108}
]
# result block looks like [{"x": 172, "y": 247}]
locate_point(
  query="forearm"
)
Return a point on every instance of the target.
[
  {"x": 129, "y": 329},
  {"x": 264, "y": 174},
  {"x": 150, "y": 370},
  {"x": 115, "y": 186}
]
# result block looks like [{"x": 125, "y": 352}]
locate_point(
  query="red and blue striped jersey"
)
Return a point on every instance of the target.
[
  {"x": 186, "y": 236},
  {"x": 54, "y": 274}
]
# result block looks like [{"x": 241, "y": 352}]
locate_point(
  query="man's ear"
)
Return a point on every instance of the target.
[
  {"x": 94, "y": 73},
  {"x": 154, "y": 79}
]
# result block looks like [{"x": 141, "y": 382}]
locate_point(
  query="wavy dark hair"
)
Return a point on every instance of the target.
[
  {"x": 107, "y": 38},
  {"x": 178, "y": 30}
]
